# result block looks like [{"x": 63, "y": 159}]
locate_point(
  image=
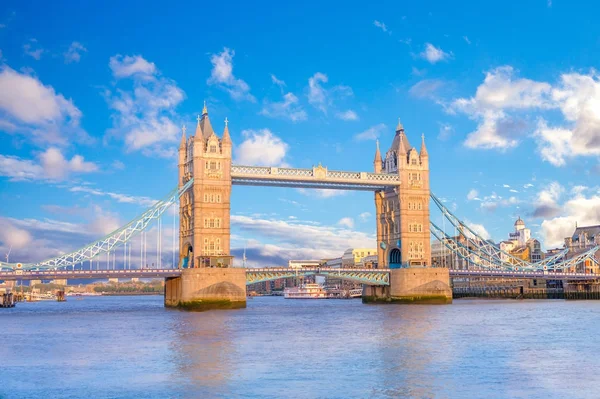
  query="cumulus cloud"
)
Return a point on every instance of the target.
[
  {"x": 73, "y": 54},
  {"x": 371, "y": 133},
  {"x": 34, "y": 110},
  {"x": 546, "y": 205},
  {"x": 51, "y": 165},
  {"x": 143, "y": 116},
  {"x": 286, "y": 109},
  {"x": 479, "y": 229},
  {"x": 128, "y": 66},
  {"x": 261, "y": 148},
  {"x": 503, "y": 99},
  {"x": 579, "y": 210},
  {"x": 293, "y": 239},
  {"x": 222, "y": 76},
  {"x": 434, "y": 54}
]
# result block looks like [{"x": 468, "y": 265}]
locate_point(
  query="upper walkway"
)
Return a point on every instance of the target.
[{"x": 317, "y": 177}]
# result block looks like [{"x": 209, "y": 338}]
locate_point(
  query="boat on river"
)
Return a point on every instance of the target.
[{"x": 306, "y": 291}]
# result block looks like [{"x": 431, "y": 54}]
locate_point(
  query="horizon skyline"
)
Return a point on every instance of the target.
[{"x": 87, "y": 122}]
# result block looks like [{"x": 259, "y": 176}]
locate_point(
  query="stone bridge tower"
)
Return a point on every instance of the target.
[
  {"x": 403, "y": 213},
  {"x": 204, "y": 231},
  {"x": 403, "y": 238}
]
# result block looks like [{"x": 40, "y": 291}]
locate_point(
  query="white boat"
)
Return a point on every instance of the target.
[{"x": 306, "y": 291}]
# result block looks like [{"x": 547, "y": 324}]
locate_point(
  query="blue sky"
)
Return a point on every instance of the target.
[{"x": 92, "y": 97}]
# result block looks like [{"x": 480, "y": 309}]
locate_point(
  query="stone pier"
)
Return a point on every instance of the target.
[
  {"x": 207, "y": 288},
  {"x": 415, "y": 285}
]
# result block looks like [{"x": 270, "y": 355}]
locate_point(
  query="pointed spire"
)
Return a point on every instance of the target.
[
  {"x": 183, "y": 137},
  {"x": 377, "y": 153},
  {"x": 399, "y": 127},
  {"x": 401, "y": 146},
  {"x": 198, "y": 128},
  {"x": 204, "y": 109},
  {"x": 423, "y": 151},
  {"x": 377, "y": 162},
  {"x": 226, "y": 138}
]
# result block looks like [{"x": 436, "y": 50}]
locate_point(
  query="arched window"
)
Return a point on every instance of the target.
[
  {"x": 205, "y": 197},
  {"x": 213, "y": 148},
  {"x": 219, "y": 198}
]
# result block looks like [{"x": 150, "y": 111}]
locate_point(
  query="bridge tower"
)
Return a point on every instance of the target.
[
  {"x": 403, "y": 236},
  {"x": 204, "y": 210},
  {"x": 402, "y": 213},
  {"x": 208, "y": 280}
]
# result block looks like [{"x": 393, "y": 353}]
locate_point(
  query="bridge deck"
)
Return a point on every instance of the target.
[{"x": 163, "y": 273}]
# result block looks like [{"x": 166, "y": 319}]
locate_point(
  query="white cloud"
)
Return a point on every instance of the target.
[
  {"x": 222, "y": 76},
  {"x": 472, "y": 195},
  {"x": 128, "y": 66},
  {"x": 13, "y": 236},
  {"x": 371, "y": 133},
  {"x": 502, "y": 99},
  {"x": 51, "y": 165},
  {"x": 466, "y": 39},
  {"x": 348, "y": 115},
  {"x": 261, "y": 148},
  {"x": 286, "y": 109},
  {"x": 445, "y": 131},
  {"x": 36, "y": 111},
  {"x": 298, "y": 239},
  {"x": 121, "y": 198},
  {"x": 322, "y": 98},
  {"x": 316, "y": 93},
  {"x": 580, "y": 210},
  {"x": 506, "y": 186},
  {"x": 346, "y": 222},
  {"x": 426, "y": 88},
  {"x": 479, "y": 229},
  {"x": 278, "y": 82},
  {"x": 143, "y": 117},
  {"x": 321, "y": 192},
  {"x": 382, "y": 26},
  {"x": 546, "y": 204},
  {"x": 434, "y": 54},
  {"x": 364, "y": 216},
  {"x": 33, "y": 50},
  {"x": 73, "y": 54}
]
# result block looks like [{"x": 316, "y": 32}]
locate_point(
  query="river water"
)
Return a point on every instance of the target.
[{"x": 132, "y": 347}]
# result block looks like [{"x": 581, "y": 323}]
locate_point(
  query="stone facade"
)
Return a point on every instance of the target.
[
  {"x": 402, "y": 213},
  {"x": 204, "y": 229}
]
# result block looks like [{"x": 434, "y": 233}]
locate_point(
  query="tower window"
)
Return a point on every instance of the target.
[
  {"x": 413, "y": 161},
  {"x": 213, "y": 148}
]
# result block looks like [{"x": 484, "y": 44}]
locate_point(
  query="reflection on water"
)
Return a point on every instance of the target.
[{"x": 124, "y": 347}]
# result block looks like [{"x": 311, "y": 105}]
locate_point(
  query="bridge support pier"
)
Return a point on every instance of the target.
[
  {"x": 207, "y": 288},
  {"x": 416, "y": 285}
]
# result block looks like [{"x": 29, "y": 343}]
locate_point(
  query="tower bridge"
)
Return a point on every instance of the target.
[{"x": 205, "y": 273}]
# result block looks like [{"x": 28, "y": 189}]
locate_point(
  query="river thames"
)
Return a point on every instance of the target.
[{"x": 132, "y": 347}]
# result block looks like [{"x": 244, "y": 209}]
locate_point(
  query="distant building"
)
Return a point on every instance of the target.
[
  {"x": 60, "y": 281},
  {"x": 583, "y": 239},
  {"x": 352, "y": 257},
  {"x": 114, "y": 280},
  {"x": 520, "y": 245},
  {"x": 297, "y": 264}
]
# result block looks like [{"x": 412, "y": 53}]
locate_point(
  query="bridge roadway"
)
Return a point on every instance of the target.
[{"x": 278, "y": 272}]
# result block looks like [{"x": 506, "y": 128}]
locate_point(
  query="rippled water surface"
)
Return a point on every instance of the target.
[{"x": 132, "y": 347}]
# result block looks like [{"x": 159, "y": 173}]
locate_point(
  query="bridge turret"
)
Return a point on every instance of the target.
[
  {"x": 226, "y": 140},
  {"x": 377, "y": 161},
  {"x": 423, "y": 154},
  {"x": 182, "y": 155}
]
